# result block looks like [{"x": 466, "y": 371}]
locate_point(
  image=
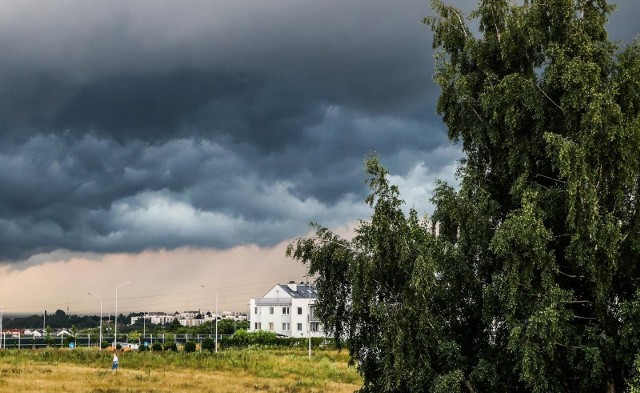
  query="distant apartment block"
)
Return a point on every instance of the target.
[
  {"x": 155, "y": 318},
  {"x": 287, "y": 310}
]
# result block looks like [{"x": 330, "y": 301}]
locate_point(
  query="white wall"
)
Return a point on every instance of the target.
[{"x": 295, "y": 320}]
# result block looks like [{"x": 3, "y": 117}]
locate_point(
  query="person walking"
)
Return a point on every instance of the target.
[{"x": 114, "y": 366}]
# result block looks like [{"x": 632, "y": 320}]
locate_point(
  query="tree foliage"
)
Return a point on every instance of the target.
[
  {"x": 525, "y": 277},
  {"x": 57, "y": 320}
]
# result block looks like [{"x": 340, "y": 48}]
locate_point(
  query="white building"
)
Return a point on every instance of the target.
[
  {"x": 155, "y": 318},
  {"x": 287, "y": 310},
  {"x": 234, "y": 315},
  {"x": 161, "y": 319},
  {"x": 185, "y": 318}
]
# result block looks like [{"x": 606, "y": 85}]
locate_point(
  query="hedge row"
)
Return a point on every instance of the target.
[{"x": 242, "y": 339}]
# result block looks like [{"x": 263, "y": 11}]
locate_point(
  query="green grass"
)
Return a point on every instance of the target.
[{"x": 258, "y": 370}]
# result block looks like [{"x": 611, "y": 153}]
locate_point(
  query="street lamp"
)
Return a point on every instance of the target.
[
  {"x": 44, "y": 326},
  {"x": 100, "y": 344},
  {"x": 1, "y": 334},
  {"x": 309, "y": 324},
  {"x": 216, "y": 337},
  {"x": 115, "y": 324},
  {"x": 309, "y": 321}
]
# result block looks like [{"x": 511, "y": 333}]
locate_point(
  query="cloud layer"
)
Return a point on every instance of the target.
[{"x": 144, "y": 125}]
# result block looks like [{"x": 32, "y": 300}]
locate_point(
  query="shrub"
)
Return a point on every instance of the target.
[
  {"x": 243, "y": 339},
  {"x": 170, "y": 346},
  {"x": 190, "y": 346},
  {"x": 156, "y": 346},
  {"x": 208, "y": 344}
]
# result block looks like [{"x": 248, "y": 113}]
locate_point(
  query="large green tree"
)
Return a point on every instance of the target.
[{"x": 525, "y": 278}]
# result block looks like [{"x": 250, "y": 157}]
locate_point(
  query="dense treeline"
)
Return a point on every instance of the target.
[
  {"x": 57, "y": 320},
  {"x": 525, "y": 278},
  {"x": 62, "y": 320}
]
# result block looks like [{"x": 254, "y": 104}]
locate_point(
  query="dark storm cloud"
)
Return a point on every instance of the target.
[
  {"x": 142, "y": 106},
  {"x": 133, "y": 125},
  {"x": 365, "y": 54}
]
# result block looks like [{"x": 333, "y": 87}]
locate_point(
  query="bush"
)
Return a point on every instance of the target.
[
  {"x": 190, "y": 346},
  {"x": 208, "y": 344},
  {"x": 104, "y": 345},
  {"x": 156, "y": 347},
  {"x": 243, "y": 339},
  {"x": 170, "y": 346}
]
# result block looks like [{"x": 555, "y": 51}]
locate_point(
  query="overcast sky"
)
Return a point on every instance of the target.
[{"x": 181, "y": 143}]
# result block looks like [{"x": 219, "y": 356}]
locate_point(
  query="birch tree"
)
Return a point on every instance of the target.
[{"x": 525, "y": 277}]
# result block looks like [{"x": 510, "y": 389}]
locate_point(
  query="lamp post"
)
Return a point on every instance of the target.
[
  {"x": 309, "y": 325},
  {"x": 115, "y": 322},
  {"x": 44, "y": 327},
  {"x": 216, "y": 316},
  {"x": 1, "y": 333},
  {"x": 100, "y": 343}
]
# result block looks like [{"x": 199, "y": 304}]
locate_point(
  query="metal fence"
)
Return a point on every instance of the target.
[{"x": 92, "y": 340}]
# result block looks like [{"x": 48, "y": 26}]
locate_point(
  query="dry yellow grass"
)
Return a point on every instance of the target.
[{"x": 19, "y": 375}]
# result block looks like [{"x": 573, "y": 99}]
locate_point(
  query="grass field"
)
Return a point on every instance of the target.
[{"x": 243, "y": 370}]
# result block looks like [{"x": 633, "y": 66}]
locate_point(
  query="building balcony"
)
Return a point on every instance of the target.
[{"x": 266, "y": 301}]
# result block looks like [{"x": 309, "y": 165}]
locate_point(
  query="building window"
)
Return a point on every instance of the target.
[
  {"x": 285, "y": 310},
  {"x": 299, "y": 327},
  {"x": 256, "y": 310},
  {"x": 314, "y": 326},
  {"x": 271, "y": 326},
  {"x": 270, "y": 310},
  {"x": 286, "y": 327},
  {"x": 258, "y": 325},
  {"x": 299, "y": 310}
]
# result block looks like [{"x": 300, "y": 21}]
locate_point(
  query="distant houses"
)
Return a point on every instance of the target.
[
  {"x": 189, "y": 318},
  {"x": 23, "y": 333},
  {"x": 159, "y": 318},
  {"x": 287, "y": 310},
  {"x": 33, "y": 333}
]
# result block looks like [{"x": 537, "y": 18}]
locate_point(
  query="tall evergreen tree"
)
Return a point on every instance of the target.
[{"x": 525, "y": 278}]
